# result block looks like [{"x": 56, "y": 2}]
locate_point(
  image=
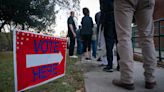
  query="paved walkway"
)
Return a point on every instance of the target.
[{"x": 97, "y": 80}]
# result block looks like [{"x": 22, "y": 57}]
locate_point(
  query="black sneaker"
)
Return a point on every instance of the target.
[
  {"x": 88, "y": 59},
  {"x": 99, "y": 59},
  {"x": 118, "y": 68},
  {"x": 107, "y": 69}
]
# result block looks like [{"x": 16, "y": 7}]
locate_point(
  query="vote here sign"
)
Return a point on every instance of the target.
[{"x": 38, "y": 59}]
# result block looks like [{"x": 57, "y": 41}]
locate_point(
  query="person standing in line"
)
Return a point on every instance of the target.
[
  {"x": 101, "y": 55},
  {"x": 79, "y": 41},
  {"x": 142, "y": 10},
  {"x": 86, "y": 33},
  {"x": 72, "y": 34},
  {"x": 98, "y": 21},
  {"x": 108, "y": 23},
  {"x": 94, "y": 42}
]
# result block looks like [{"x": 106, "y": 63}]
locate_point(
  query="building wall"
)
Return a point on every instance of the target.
[
  {"x": 158, "y": 9},
  {"x": 159, "y": 13}
]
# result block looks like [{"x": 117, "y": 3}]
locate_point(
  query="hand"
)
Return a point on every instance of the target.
[{"x": 74, "y": 35}]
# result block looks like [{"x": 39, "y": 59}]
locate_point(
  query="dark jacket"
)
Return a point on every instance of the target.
[
  {"x": 106, "y": 5},
  {"x": 97, "y": 18},
  {"x": 87, "y": 25},
  {"x": 107, "y": 11}
]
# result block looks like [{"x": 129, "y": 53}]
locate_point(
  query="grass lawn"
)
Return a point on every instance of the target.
[{"x": 71, "y": 82}]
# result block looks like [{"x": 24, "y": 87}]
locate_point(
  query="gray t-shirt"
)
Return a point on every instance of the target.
[{"x": 94, "y": 35}]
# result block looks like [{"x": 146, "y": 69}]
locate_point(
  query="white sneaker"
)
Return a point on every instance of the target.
[
  {"x": 73, "y": 56},
  {"x": 94, "y": 59}
]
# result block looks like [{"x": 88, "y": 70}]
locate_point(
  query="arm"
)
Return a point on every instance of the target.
[
  {"x": 70, "y": 25},
  {"x": 72, "y": 30}
]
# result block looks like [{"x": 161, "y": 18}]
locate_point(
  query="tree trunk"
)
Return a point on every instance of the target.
[{"x": 23, "y": 27}]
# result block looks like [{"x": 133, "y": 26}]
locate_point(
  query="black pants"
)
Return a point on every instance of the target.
[
  {"x": 86, "y": 42},
  {"x": 72, "y": 45},
  {"x": 110, "y": 36}
]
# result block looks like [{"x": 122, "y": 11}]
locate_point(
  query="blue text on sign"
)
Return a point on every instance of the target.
[{"x": 46, "y": 46}]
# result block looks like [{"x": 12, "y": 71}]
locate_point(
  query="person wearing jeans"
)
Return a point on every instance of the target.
[
  {"x": 94, "y": 42},
  {"x": 142, "y": 10},
  {"x": 79, "y": 42}
]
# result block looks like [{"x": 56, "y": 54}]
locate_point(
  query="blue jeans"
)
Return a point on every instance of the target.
[
  {"x": 79, "y": 46},
  {"x": 94, "y": 48}
]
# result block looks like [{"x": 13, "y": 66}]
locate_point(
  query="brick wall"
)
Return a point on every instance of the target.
[{"x": 159, "y": 13}]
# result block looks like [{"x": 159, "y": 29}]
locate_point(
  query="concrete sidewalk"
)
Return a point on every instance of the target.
[{"x": 97, "y": 80}]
